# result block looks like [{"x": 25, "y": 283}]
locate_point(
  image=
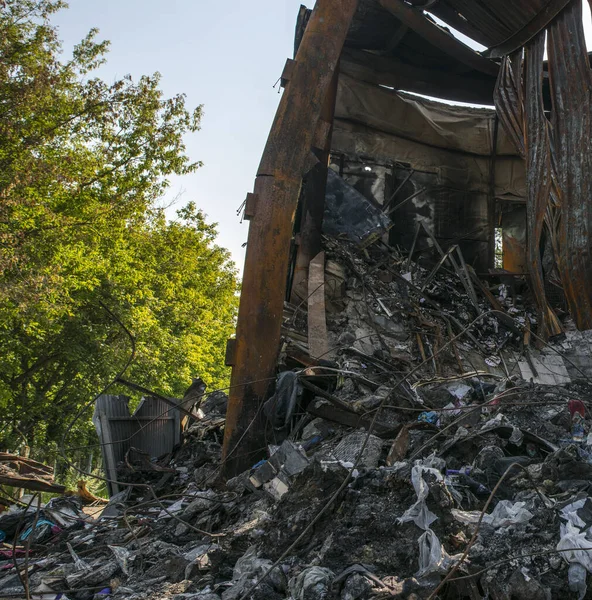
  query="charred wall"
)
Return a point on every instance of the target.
[{"x": 381, "y": 137}]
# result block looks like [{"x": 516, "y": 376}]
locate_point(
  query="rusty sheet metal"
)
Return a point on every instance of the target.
[
  {"x": 559, "y": 164},
  {"x": 415, "y": 19},
  {"x": 538, "y": 179},
  {"x": 277, "y": 188},
  {"x": 537, "y": 24},
  {"x": 502, "y": 24},
  {"x": 521, "y": 113},
  {"x": 154, "y": 428},
  {"x": 571, "y": 89},
  {"x": 509, "y": 100},
  {"x": 514, "y": 239}
]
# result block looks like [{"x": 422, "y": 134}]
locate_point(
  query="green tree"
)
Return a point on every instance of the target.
[{"x": 83, "y": 167}]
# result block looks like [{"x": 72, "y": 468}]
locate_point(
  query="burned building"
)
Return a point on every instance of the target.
[
  {"x": 504, "y": 183},
  {"x": 410, "y": 410}
]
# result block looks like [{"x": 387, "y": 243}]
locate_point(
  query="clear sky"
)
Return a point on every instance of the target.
[{"x": 224, "y": 55}]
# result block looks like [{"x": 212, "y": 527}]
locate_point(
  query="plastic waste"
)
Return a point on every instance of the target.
[
  {"x": 570, "y": 513},
  {"x": 575, "y": 546},
  {"x": 44, "y": 529},
  {"x": 248, "y": 564},
  {"x": 459, "y": 390},
  {"x": 577, "y": 410},
  {"x": 248, "y": 568},
  {"x": 432, "y": 556},
  {"x": 576, "y": 577},
  {"x": 577, "y": 428},
  {"x": 79, "y": 564},
  {"x": 2, "y": 535},
  {"x": 572, "y": 537},
  {"x": 517, "y": 436},
  {"x": 503, "y": 515},
  {"x": 122, "y": 556},
  {"x": 313, "y": 583},
  {"x": 280, "y": 408},
  {"x": 419, "y": 513},
  {"x": 429, "y": 417}
]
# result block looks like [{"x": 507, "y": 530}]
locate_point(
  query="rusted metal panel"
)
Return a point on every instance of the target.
[
  {"x": 507, "y": 24},
  {"x": 416, "y": 20},
  {"x": 531, "y": 29},
  {"x": 571, "y": 89},
  {"x": 538, "y": 179},
  {"x": 154, "y": 428},
  {"x": 559, "y": 165},
  {"x": 519, "y": 100},
  {"x": 509, "y": 100},
  {"x": 266, "y": 265},
  {"x": 514, "y": 239}
]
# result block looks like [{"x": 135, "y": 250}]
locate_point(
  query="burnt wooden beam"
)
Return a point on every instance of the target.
[
  {"x": 270, "y": 232},
  {"x": 437, "y": 36},
  {"x": 391, "y": 72},
  {"x": 30, "y": 483}
]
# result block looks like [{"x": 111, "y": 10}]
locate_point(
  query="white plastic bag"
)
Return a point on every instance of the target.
[
  {"x": 572, "y": 537},
  {"x": 577, "y": 579},
  {"x": 419, "y": 513},
  {"x": 432, "y": 556},
  {"x": 503, "y": 515}
]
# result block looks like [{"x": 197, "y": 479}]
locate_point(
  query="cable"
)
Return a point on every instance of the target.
[{"x": 457, "y": 565}]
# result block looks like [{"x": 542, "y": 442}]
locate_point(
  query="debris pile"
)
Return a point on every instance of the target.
[
  {"x": 417, "y": 459},
  {"x": 20, "y": 471}
]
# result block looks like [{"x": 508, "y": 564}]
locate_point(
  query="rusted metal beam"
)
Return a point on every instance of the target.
[
  {"x": 313, "y": 198},
  {"x": 266, "y": 265},
  {"x": 571, "y": 89},
  {"x": 538, "y": 180},
  {"x": 536, "y": 25},
  {"x": 437, "y": 36}
]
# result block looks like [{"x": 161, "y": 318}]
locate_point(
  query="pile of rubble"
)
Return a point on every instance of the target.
[{"x": 434, "y": 452}]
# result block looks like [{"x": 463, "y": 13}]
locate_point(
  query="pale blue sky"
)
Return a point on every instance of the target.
[{"x": 224, "y": 55}]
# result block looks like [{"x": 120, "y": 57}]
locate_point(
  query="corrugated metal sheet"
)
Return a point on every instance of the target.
[
  {"x": 507, "y": 24},
  {"x": 559, "y": 164},
  {"x": 158, "y": 426},
  {"x": 154, "y": 428}
]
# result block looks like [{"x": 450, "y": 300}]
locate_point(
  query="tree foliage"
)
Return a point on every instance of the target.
[{"x": 83, "y": 167}]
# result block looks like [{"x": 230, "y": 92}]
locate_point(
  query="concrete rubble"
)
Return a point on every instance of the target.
[{"x": 422, "y": 458}]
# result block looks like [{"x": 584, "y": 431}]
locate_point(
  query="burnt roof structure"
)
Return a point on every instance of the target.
[{"x": 463, "y": 172}]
